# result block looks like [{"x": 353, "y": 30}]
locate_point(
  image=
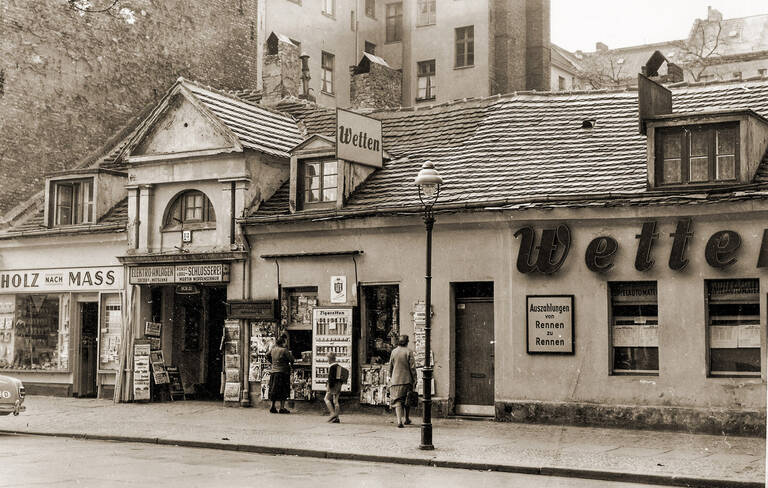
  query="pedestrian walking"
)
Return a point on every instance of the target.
[
  {"x": 280, "y": 377},
  {"x": 337, "y": 376},
  {"x": 402, "y": 378}
]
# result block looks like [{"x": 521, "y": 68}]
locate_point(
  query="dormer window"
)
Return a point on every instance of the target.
[
  {"x": 189, "y": 208},
  {"x": 72, "y": 202},
  {"x": 319, "y": 182},
  {"x": 698, "y": 154}
]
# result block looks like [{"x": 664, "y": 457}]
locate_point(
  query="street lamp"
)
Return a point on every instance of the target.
[{"x": 429, "y": 182}]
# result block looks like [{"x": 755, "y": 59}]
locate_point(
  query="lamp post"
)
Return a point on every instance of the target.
[{"x": 429, "y": 182}]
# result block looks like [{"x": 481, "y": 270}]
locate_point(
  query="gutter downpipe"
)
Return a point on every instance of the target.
[{"x": 245, "y": 398}]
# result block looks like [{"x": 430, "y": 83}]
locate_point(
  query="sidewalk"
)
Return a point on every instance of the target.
[{"x": 584, "y": 452}]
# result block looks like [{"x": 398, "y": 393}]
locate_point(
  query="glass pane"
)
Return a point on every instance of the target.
[
  {"x": 329, "y": 195},
  {"x": 312, "y": 169},
  {"x": 699, "y": 143},
  {"x": 381, "y": 322},
  {"x": 671, "y": 171},
  {"x": 726, "y": 167},
  {"x": 636, "y": 358},
  {"x": 742, "y": 360},
  {"x": 330, "y": 167},
  {"x": 671, "y": 145},
  {"x": 32, "y": 325},
  {"x": 329, "y": 182},
  {"x": 699, "y": 169},
  {"x": 422, "y": 87},
  {"x": 312, "y": 196},
  {"x": 470, "y": 55},
  {"x": 726, "y": 141}
]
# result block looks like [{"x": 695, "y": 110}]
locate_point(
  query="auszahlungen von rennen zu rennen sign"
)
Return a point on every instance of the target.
[{"x": 720, "y": 251}]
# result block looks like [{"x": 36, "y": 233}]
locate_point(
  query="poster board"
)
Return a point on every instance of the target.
[
  {"x": 175, "y": 386},
  {"x": 549, "y": 324},
  {"x": 141, "y": 379},
  {"x": 231, "y": 349},
  {"x": 262, "y": 340},
  {"x": 110, "y": 333},
  {"x": 332, "y": 331},
  {"x": 159, "y": 371}
]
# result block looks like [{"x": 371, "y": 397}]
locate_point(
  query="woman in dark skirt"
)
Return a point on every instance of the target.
[{"x": 280, "y": 377}]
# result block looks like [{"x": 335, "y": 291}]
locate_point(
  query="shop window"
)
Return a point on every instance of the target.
[
  {"x": 426, "y": 80},
  {"x": 190, "y": 207},
  {"x": 697, "y": 154},
  {"x": 32, "y": 336},
  {"x": 327, "y": 73},
  {"x": 72, "y": 202},
  {"x": 110, "y": 332},
  {"x": 381, "y": 322},
  {"x": 297, "y": 306},
  {"x": 394, "y": 22},
  {"x": 370, "y": 8},
  {"x": 319, "y": 183},
  {"x": 733, "y": 327},
  {"x": 465, "y": 46},
  {"x": 426, "y": 12},
  {"x": 634, "y": 328}
]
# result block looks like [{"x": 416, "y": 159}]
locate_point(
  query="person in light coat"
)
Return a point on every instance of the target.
[{"x": 402, "y": 379}]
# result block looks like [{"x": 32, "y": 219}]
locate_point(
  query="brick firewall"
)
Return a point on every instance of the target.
[{"x": 71, "y": 81}]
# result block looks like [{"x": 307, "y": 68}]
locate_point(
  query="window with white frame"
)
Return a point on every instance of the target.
[
  {"x": 465, "y": 46},
  {"x": 329, "y": 7},
  {"x": 697, "y": 154},
  {"x": 72, "y": 202},
  {"x": 426, "y": 80},
  {"x": 394, "y": 22},
  {"x": 733, "y": 327},
  {"x": 426, "y": 14},
  {"x": 327, "y": 72},
  {"x": 319, "y": 182},
  {"x": 190, "y": 207}
]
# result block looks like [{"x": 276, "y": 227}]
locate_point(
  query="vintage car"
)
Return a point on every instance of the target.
[{"x": 11, "y": 395}]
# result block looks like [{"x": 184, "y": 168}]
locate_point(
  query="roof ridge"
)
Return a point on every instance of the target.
[{"x": 232, "y": 97}]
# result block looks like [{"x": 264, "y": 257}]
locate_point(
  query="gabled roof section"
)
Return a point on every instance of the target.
[
  {"x": 247, "y": 125},
  {"x": 529, "y": 149},
  {"x": 316, "y": 141}
]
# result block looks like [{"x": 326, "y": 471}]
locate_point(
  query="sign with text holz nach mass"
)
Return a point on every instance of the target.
[
  {"x": 549, "y": 323},
  {"x": 358, "y": 138}
]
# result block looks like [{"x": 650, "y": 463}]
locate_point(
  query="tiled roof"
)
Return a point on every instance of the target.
[
  {"x": 114, "y": 220},
  {"x": 257, "y": 128},
  {"x": 528, "y": 147}
]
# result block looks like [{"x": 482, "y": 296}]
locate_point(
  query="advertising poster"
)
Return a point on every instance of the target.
[
  {"x": 549, "y": 324},
  {"x": 332, "y": 329},
  {"x": 141, "y": 372},
  {"x": 338, "y": 289}
]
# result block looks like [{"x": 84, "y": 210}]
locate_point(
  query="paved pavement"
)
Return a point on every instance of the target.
[
  {"x": 30, "y": 462},
  {"x": 584, "y": 452}
]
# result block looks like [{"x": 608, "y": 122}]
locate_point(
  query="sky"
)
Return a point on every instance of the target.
[{"x": 579, "y": 24}]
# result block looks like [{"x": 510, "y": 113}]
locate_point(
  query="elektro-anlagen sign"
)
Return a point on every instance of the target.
[
  {"x": 358, "y": 138},
  {"x": 62, "y": 279}
]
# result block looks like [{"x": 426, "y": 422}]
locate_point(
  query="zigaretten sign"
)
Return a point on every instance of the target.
[{"x": 358, "y": 138}]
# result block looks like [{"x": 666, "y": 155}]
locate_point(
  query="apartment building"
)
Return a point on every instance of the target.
[{"x": 445, "y": 49}]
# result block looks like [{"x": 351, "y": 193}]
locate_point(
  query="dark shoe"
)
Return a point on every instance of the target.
[
  {"x": 408, "y": 422},
  {"x": 336, "y": 420},
  {"x": 399, "y": 426},
  {"x": 283, "y": 410},
  {"x": 332, "y": 418},
  {"x": 273, "y": 410}
]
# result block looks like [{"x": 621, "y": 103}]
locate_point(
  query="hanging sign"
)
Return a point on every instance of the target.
[
  {"x": 358, "y": 138},
  {"x": 549, "y": 323},
  {"x": 187, "y": 290},
  {"x": 338, "y": 289},
  {"x": 252, "y": 309}
]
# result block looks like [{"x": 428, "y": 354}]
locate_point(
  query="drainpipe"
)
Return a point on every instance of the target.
[{"x": 245, "y": 398}]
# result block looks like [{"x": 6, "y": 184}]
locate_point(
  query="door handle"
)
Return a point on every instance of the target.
[{"x": 476, "y": 375}]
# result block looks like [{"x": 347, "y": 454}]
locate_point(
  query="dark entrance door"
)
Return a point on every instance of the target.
[
  {"x": 474, "y": 353},
  {"x": 89, "y": 328},
  {"x": 217, "y": 313}
]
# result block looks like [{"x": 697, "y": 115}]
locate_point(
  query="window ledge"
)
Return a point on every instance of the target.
[
  {"x": 370, "y": 16},
  {"x": 464, "y": 67},
  {"x": 430, "y": 99},
  {"x": 190, "y": 226},
  {"x": 697, "y": 186},
  {"x": 426, "y": 25},
  {"x": 330, "y": 16},
  {"x": 393, "y": 42},
  {"x": 327, "y": 93}
]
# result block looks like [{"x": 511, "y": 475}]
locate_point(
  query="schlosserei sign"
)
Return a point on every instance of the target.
[
  {"x": 358, "y": 139},
  {"x": 179, "y": 273},
  {"x": 62, "y": 279}
]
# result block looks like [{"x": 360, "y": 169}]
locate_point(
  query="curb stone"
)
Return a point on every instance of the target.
[{"x": 602, "y": 475}]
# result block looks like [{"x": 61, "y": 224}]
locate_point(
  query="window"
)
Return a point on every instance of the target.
[
  {"x": 327, "y": 73},
  {"x": 297, "y": 305},
  {"x": 190, "y": 207},
  {"x": 352, "y": 21},
  {"x": 465, "y": 46},
  {"x": 329, "y": 7},
  {"x": 370, "y": 47},
  {"x": 73, "y": 202},
  {"x": 31, "y": 335},
  {"x": 697, "y": 154},
  {"x": 319, "y": 182},
  {"x": 634, "y": 328},
  {"x": 426, "y": 12},
  {"x": 733, "y": 323},
  {"x": 381, "y": 322},
  {"x": 761, "y": 71},
  {"x": 426, "y": 80},
  {"x": 560, "y": 83},
  {"x": 370, "y": 8},
  {"x": 394, "y": 22}
]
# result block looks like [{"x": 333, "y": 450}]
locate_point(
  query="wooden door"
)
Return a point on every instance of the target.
[
  {"x": 88, "y": 350},
  {"x": 474, "y": 352}
]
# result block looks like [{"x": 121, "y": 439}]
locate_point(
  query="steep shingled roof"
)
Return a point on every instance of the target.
[{"x": 526, "y": 147}]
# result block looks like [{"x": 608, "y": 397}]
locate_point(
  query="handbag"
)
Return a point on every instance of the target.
[{"x": 412, "y": 399}]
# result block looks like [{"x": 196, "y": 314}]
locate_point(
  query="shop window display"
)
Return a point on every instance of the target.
[
  {"x": 733, "y": 316},
  {"x": 635, "y": 328},
  {"x": 32, "y": 336},
  {"x": 381, "y": 313}
]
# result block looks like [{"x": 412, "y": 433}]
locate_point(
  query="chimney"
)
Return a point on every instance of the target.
[
  {"x": 374, "y": 84},
  {"x": 538, "y": 50},
  {"x": 714, "y": 15},
  {"x": 282, "y": 68},
  {"x": 652, "y": 98},
  {"x": 600, "y": 47}
]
